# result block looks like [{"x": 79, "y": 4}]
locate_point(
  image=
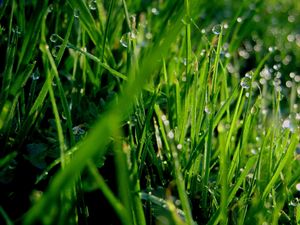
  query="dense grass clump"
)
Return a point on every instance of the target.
[{"x": 149, "y": 112}]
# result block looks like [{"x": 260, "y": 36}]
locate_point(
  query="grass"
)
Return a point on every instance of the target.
[{"x": 149, "y": 112}]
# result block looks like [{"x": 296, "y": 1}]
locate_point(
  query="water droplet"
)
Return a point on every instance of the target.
[
  {"x": 166, "y": 122},
  {"x": 272, "y": 49},
  {"x": 246, "y": 82},
  {"x": 171, "y": 134},
  {"x": 292, "y": 75},
  {"x": 254, "y": 110},
  {"x": 247, "y": 94},
  {"x": 177, "y": 202},
  {"x": 289, "y": 84},
  {"x": 253, "y": 151},
  {"x": 50, "y": 8},
  {"x": 76, "y": 13},
  {"x": 227, "y": 55},
  {"x": 55, "y": 51},
  {"x": 155, "y": 11},
  {"x": 249, "y": 74},
  {"x": 63, "y": 116},
  {"x": 287, "y": 124},
  {"x": 203, "y": 31},
  {"x": 92, "y": 5},
  {"x": 298, "y": 187},
  {"x": 36, "y": 75},
  {"x": 203, "y": 51},
  {"x": 239, "y": 19},
  {"x": 16, "y": 30},
  {"x": 276, "y": 66},
  {"x": 78, "y": 130},
  {"x": 124, "y": 40},
  {"x": 217, "y": 29},
  {"x": 207, "y": 109},
  {"x": 163, "y": 117},
  {"x": 179, "y": 146},
  {"x": 53, "y": 38},
  {"x": 148, "y": 35}
]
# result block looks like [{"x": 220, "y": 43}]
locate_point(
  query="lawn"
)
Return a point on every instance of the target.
[{"x": 158, "y": 112}]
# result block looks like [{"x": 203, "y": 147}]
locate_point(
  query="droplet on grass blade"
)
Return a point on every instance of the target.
[
  {"x": 171, "y": 134},
  {"x": 217, "y": 29},
  {"x": 239, "y": 19},
  {"x": 35, "y": 75},
  {"x": 298, "y": 187},
  {"x": 53, "y": 38},
  {"x": 50, "y": 8},
  {"x": 155, "y": 11},
  {"x": 179, "y": 146},
  {"x": 55, "y": 51},
  {"x": 124, "y": 40},
  {"x": 76, "y": 13},
  {"x": 92, "y": 5},
  {"x": 246, "y": 81}
]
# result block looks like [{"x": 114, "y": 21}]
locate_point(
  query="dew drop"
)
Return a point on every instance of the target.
[
  {"x": 53, "y": 38},
  {"x": 92, "y": 5},
  {"x": 55, "y": 51},
  {"x": 253, "y": 110},
  {"x": 50, "y": 8},
  {"x": 16, "y": 30},
  {"x": 171, "y": 134},
  {"x": 155, "y": 11},
  {"x": 246, "y": 82},
  {"x": 289, "y": 84},
  {"x": 148, "y": 35},
  {"x": 272, "y": 49},
  {"x": 292, "y": 75},
  {"x": 166, "y": 122},
  {"x": 179, "y": 146},
  {"x": 297, "y": 79},
  {"x": 163, "y": 117},
  {"x": 76, "y": 13},
  {"x": 124, "y": 40},
  {"x": 217, "y": 29},
  {"x": 35, "y": 75},
  {"x": 239, "y": 19},
  {"x": 177, "y": 202},
  {"x": 63, "y": 116},
  {"x": 207, "y": 109},
  {"x": 287, "y": 124}
]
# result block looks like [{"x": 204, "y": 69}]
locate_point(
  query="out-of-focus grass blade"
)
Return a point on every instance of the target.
[{"x": 286, "y": 158}]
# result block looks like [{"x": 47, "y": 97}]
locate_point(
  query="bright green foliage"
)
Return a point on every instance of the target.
[{"x": 149, "y": 112}]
